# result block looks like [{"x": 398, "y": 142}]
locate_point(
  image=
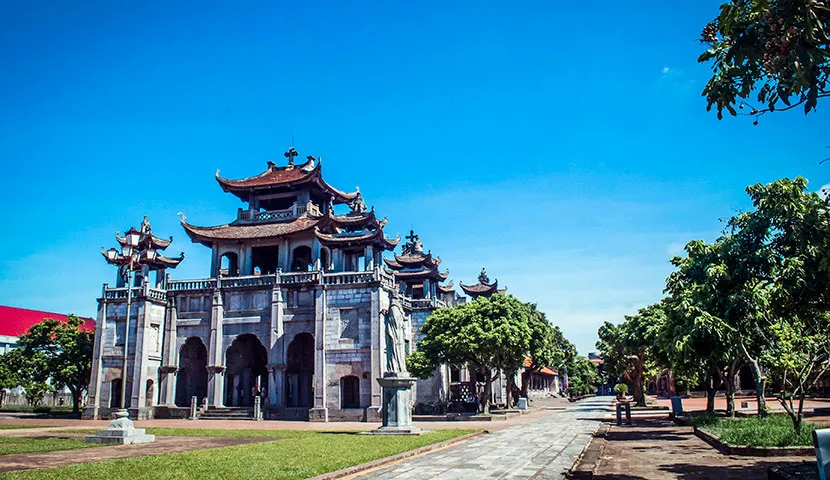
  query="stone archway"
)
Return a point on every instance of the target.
[
  {"x": 246, "y": 374},
  {"x": 299, "y": 374},
  {"x": 192, "y": 378}
]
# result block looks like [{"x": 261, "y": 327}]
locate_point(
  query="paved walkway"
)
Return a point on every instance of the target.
[{"x": 542, "y": 449}]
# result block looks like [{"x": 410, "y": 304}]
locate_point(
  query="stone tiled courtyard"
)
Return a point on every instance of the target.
[{"x": 544, "y": 448}]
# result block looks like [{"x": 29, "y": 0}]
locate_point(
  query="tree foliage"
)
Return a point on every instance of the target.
[
  {"x": 583, "y": 376},
  {"x": 775, "y": 49},
  {"x": 487, "y": 335},
  {"x": 631, "y": 349},
  {"x": 29, "y": 370},
  {"x": 67, "y": 352}
]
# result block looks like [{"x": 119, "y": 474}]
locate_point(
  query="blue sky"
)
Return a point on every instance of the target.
[{"x": 565, "y": 148}]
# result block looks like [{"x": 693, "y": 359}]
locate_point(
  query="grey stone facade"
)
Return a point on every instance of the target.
[{"x": 293, "y": 311}]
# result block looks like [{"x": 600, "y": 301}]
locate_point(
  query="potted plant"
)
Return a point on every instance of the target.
[{"x": 620, "y": 389}]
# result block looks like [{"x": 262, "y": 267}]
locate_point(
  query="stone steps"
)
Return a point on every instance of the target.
[{"x": 227, "y": 413}]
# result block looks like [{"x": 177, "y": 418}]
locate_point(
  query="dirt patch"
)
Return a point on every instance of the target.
[
  {"x": 162, "y": 445},
  {"x": 657, "y": 448}
]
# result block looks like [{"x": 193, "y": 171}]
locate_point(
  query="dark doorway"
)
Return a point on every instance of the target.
[
  {"x": 350, "y": 392},
  {"x": 266, "y": 259},
  {"x": 301, "y": 261},
  {"x": 300, "y": 371},
  {"x": 324, "y": 259},
  {"x": 246, "y": 374},
  {"x": 149, "y": 393},
  {"x": 115, "y": 393},
  {"x": 192, "y": 376}
]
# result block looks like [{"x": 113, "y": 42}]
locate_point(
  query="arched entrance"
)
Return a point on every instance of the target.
[
  {"x": 299, "y": 374},
  {"x": 229, "y": 265},
  {"x": 192, "y": 376},
  {"x": 246, "y": 374}
]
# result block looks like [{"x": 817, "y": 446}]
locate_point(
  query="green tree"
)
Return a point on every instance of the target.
[
  {"x": 631, "y": 349},
  {"x": 29, "y": 370},
  {"x": 67, "y": 349},
  {"x": 695, "y": 324},
  {"x": 488, "y": 335},
  {"x": 583, "y": 376},
  {"x": 548, "y": 347},
  {"x": 795, "y": 227},
  {"x": 777, "y": 50}
]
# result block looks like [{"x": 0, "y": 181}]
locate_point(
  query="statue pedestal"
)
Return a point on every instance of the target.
[
  {"x": 397, "y": 406},
  {"x": 120, "y": 432}
]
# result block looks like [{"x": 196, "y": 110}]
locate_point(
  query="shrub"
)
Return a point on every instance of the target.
[{"x": 620, "y": 389}]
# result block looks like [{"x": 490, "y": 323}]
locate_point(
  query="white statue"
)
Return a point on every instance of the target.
[{"x": 395, "y": 321}]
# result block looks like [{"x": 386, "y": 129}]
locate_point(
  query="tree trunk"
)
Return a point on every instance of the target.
[
  {"x": 484, "y": 399},
  {"x": 637, "y": 380},
  {"x": 711, "y": 391},
  {"x": 76, "y": 400},
  {"x": 760, "y": 381},
  {"x": 511, "y": 382},
  {"x": 731, "y": 374}
]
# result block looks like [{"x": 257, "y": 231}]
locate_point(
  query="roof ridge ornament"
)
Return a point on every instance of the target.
[
  {"x": 483, "y": 278},
  {"x": 290, "y": 154}
]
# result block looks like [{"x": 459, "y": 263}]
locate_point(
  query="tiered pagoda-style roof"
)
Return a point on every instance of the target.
[
  {"x": 483, "y": 288},
  {"x": 415, "y": 265},
  {"x": 358, "y": 227},
  {"x": 312, "y": 212},
  {"x": 149, "y": 241},
  {"x": 290, "y": 177}
]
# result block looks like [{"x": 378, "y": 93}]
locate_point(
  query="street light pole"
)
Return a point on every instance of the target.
[{"x": 126, "y": 335}]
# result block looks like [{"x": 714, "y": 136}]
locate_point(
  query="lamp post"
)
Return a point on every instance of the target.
[{"x": 135, "y": 253}]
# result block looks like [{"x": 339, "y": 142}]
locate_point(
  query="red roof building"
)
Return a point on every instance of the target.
[{"x": 14, "y": 322}]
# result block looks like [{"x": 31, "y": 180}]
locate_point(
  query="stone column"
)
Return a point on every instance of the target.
[
  {"x": 216, "y": 354},
  {"x": 169, "y": 356},
  {"x": 284, "y": 259},
  {"x": 369, "y": 258},
  {"x": 94, "y": 400},
  {"x": 377, "y": 343},
  {"x": 276, "y": 336},
  {"x": 139, "y": 374},
  {"x": 320, "y": 411}
]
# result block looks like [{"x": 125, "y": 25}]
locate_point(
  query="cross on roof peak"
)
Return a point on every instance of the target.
[
  {"x": 411, "y": 237},
  {"x": 290, "y": 154}
]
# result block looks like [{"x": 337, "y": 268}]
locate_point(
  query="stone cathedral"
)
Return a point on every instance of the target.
[{"x": 292, "y": 310}]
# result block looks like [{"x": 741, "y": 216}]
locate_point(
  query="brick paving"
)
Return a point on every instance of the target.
[
  {"x": 49, "y": 424},
  {"x": 544, "y": 448},
  {"x": 656, "y": 448}
]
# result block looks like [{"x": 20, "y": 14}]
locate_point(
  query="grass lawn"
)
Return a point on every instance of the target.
[
  {"x": 294, "y": 455},
  {"x": 11, "y": 445},
  {"x": 11, "y": 427},
  {"x": 771, "y": 431}
]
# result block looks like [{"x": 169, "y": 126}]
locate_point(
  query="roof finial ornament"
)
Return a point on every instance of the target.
[
  {"x": 290, "y": 154},
  {"x": 482, "y": 277},
  {"x": 413, "y": 245},
  {"x": 145, "y": 225},
  {"x": 358, "y": 205}
]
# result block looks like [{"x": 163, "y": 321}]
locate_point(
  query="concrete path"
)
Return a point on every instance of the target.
[{"x": 542, "y": 449}]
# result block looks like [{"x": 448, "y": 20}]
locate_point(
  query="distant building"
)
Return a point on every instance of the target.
[{"x": 14, "y": 322}]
